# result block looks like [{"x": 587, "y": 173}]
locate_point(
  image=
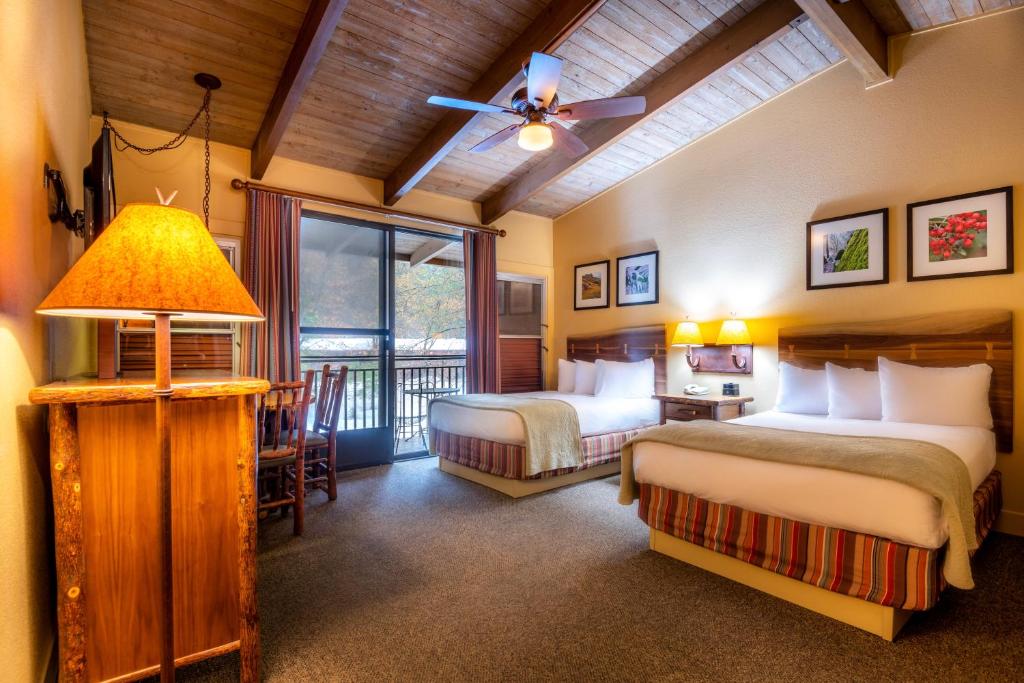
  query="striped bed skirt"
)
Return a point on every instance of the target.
[
  {"x": 508, "y": 460},
  {"x": 867, "y": 567}
]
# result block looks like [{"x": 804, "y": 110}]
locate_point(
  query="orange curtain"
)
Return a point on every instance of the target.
[
  {"x": 271, "y": 273},
  {"x": 482, "y": 374}
]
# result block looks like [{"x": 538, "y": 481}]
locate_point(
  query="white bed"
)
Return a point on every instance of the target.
[
  {"x": 597, "y": 415},
  {"x": 820, "y": 496}
]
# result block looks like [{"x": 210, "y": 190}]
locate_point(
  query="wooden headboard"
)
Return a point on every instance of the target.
[
  {"x": 627, "y": 344},
  {"x": 948, "y": 339}
]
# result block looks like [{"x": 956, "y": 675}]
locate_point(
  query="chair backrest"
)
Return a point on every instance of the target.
[
  {"x": 329, "y": 400},
  {"x": 282, "y": 415}
]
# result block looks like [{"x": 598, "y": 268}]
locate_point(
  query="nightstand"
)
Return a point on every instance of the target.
[{"x": 684, "y": 407}]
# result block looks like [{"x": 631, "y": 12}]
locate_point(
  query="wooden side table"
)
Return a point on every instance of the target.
[
  {"x": 684, "y": 407},
  {"x": 105, "y": 466}
]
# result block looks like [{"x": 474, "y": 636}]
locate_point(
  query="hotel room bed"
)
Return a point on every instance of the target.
[
  {"x": 834, "y": 498},
  {"x": 865, "y": 550},
  {"x": 492, "y": 441},
  {"x": 488, "y": 446}
]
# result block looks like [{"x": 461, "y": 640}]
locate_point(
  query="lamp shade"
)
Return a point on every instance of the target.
[
  {"x": 152, "y": 259},
  {"x": 687, "y": 334},
  {"x": 733, "y": 332}
]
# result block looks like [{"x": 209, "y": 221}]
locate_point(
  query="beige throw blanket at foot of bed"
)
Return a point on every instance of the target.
[
  {"x": 924, "y": 466},
  {"x": 552, "y": 428}
]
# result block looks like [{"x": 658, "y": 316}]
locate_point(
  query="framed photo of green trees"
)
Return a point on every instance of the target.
[{"x": 848, "y": 251}]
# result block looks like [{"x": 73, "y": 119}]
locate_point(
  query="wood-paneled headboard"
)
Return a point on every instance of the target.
[
  {"x": 627, "y": 344},
  {"x": 947, "y": 339}
]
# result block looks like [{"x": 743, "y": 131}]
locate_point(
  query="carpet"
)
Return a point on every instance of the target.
[{"x": 413, "y": 574}]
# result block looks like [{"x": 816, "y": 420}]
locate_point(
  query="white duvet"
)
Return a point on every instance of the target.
[
  {"x": 597, "y": 415},
  {"x": 816, "y": 495}
]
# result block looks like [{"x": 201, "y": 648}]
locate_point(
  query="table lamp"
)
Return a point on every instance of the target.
[
  {"x": 688, "y": 334},
  {"x": 734, "y": 332},
  {"x": 155, "y": 262}
]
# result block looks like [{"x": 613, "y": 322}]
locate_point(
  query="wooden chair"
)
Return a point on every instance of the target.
[
  {"x": 321, "y": 441},
  {"x": 282, "y": 436}
]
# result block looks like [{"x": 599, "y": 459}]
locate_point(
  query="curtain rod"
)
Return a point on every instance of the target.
[{"x": 240, "y": 184}]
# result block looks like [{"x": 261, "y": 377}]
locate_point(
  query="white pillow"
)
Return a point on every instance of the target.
[
  {"x": 802, "y": 391},
  {"x": 936, "y": 396},
  {"x": 586, "y": 378},
  {"x": 853, "y": 393},
  {"x": 566, "y": 376},
  {"x": 625, "y": 380}
]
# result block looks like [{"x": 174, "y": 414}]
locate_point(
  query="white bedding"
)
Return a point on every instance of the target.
[
  {"x": 815, "y": 495},
  {"x": 597, "y": 415}
]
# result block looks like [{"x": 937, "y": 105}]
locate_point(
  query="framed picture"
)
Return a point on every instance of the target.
[
  {"x": 848, "y": 251},
  {"x": 637, "y": 277},
  {"x": 591, "y": 284},
  {"x": 962, "y": 236}
]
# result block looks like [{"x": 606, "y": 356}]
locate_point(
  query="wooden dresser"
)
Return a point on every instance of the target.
[{"x": 104, "y": 468}]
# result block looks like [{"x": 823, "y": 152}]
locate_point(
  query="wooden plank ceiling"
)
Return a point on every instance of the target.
[{"x": 364, "y": 110}]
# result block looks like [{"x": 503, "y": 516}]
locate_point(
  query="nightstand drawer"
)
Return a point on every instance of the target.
[{"x": 683, "y": 411}]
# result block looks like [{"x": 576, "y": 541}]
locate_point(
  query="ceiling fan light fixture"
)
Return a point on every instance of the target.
[{"x": 535, "y": 136}]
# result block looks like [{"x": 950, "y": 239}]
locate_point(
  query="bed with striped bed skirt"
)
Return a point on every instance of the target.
[
  {"x": 875, "y": 569},
  {"x": 508, "y": 460}
]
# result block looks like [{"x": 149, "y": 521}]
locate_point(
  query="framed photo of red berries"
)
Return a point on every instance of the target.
[
  {"x": 847, "y": 251},
  {"x": 961, "y": 236}
]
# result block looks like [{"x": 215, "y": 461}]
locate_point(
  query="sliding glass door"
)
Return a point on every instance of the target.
[
  {"x": 346, "y": 309},
  {"x": 390, "y": 303},
  {"x": 430, "y": 331}
]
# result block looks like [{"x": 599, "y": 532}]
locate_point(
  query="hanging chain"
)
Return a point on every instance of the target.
[
  {"x": 206, "y": 160},
  {"x": 121, "y": 144}
]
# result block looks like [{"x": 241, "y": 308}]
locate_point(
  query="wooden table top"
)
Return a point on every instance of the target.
[
  {"x": 704, "y": 399},
  {"x": 93, "y": 390}
]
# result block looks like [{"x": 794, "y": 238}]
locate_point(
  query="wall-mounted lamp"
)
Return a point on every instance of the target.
[
  {"x": 734, "y": 333},
  {"x": 688, "y": 334}
]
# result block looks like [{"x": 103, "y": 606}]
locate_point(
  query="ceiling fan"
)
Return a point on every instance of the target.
[{"x": 537, "y": 103}]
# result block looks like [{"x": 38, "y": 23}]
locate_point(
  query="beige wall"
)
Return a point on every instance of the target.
[
  {"x": 527, "y": 250},
  {"x": 728, "y": 212},
  {"x": 44, "y": 115}
]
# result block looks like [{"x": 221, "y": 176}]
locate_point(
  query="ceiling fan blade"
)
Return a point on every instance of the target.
[
  {"x": 466, "y": 104},
  {"x": 602, "y": 109},
  {"x": 542, "y": 76},
  {"x": 567, "y": 142},
  {"x": 496, "y": 139}
]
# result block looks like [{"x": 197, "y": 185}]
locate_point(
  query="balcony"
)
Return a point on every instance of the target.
[{"x": 418, "y": 378}]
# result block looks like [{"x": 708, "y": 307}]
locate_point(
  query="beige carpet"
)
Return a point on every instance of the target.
[{"x": 416, "y": 575}]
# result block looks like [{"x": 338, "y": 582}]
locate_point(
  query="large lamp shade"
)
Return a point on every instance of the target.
[{"x": 152, "y": 259}]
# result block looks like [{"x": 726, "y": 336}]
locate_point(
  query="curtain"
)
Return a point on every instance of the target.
[
  {"x": 481, "y": 313},
  {"x": 270, "y": 349}
]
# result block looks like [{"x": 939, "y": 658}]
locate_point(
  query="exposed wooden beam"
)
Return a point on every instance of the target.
[
  {"x": 764, "y": 23},
  {"x": 852, "y": 29},
  {"x": 427, "y": 251},
  {"x": 321, "y": 20},
  {"x": 889, "y": 16},
  {"x": 548, "y": 31}
]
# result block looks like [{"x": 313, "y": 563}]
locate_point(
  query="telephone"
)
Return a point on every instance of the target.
[{"x": 695, "y": 390}]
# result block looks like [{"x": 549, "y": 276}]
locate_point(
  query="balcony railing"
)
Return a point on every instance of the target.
[{"x": 361, "y": 407}]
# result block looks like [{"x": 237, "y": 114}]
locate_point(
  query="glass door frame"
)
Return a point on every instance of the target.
[
  {"x": 431, "y": 234},
  {"x": 374, "y": 446}
]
